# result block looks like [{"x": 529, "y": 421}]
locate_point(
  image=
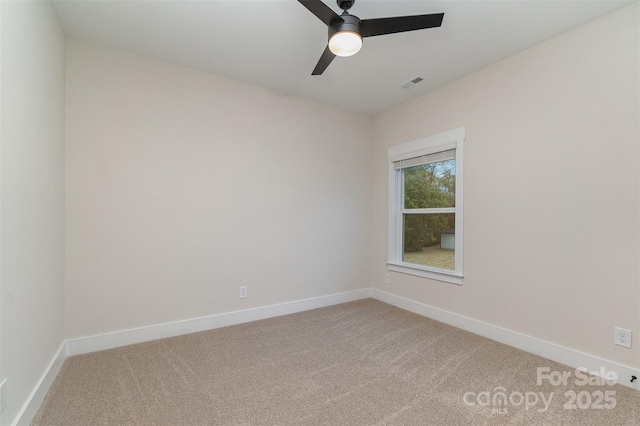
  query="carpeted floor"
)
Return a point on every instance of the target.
[{"x": 359, "y": 363}]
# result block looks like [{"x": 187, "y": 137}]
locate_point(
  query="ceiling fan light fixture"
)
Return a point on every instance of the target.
[
  {"x": 346, "y": 31},
  {"x": 345, "y": 43}
]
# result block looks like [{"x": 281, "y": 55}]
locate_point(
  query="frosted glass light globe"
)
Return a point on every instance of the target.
[{"x": 345, "y": 43}]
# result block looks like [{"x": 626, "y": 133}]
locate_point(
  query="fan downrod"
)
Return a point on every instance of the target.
[{"x": 345, "y": 4}]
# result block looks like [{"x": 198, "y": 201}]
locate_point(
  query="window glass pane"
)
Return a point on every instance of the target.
[
  {"x": 429, "y": 239},
  {"x": 430, "y": 185}
]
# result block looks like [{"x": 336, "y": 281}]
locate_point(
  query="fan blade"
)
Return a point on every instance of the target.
[
  {"x": 399, "y": 24},
  {"x": 323, "y": 63},
  {"x": 321, "y": 10}
]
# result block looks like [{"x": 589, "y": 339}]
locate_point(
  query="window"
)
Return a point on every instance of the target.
[{"x": 425, "y": 207}]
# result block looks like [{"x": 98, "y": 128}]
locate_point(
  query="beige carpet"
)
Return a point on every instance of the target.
[{"x": 360, "y": 363}]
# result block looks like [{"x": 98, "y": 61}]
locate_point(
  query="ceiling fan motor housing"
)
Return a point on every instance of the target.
[{"x": 349, "y": 23}]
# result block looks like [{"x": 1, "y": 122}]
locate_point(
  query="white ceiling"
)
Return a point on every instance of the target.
[{"x": 276, "y": 43}]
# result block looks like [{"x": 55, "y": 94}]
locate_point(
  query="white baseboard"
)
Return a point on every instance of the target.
[
  {"x": 144, "y": 334},
  {"x": 533, "y": 345},
  {"x": 30, "y": 407}
]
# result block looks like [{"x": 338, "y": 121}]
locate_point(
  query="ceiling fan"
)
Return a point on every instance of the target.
[{"x": 346, "y": 31}]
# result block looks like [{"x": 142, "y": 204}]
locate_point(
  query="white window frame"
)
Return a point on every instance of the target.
[{"x": 452, "y": 139}]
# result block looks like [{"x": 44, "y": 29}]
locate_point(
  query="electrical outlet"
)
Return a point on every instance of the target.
[
  {"x": 243, "y": 292},
  {"x": 387, "y": 279},
  {"x": 622, "y": 337},
  {"x": 3, "y": 395}
]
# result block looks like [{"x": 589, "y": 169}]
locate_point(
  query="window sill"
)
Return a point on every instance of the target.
[{"x": 413, "y": 269}]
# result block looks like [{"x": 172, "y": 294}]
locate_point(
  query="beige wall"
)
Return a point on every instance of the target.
[
  {"x": 551, "y": 189},
  {"x": 182, "y": 186},
  {"x": 32, "y": 213}
]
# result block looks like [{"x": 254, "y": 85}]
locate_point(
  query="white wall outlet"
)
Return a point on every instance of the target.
[
  {"x": 387, "y": 279},
  {"x": 243, "y": 292},
  {"x": 3, "y": 395},
  {"x": 622, "y": 337}
]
